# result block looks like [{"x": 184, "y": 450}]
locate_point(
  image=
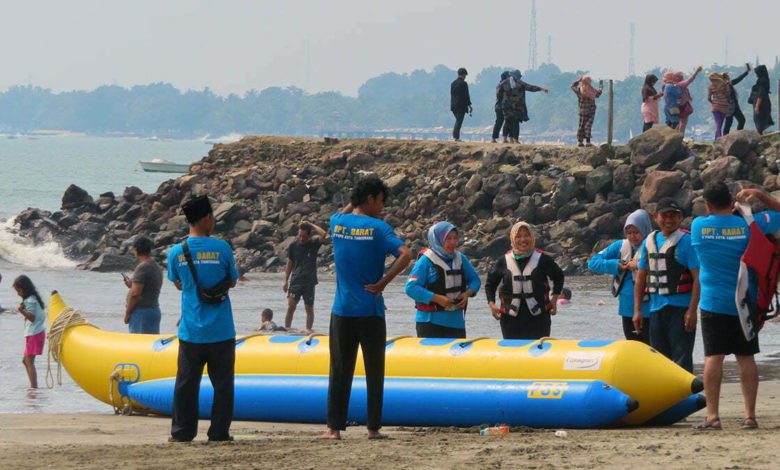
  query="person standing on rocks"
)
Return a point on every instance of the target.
[
  {"x": 650, "y": 98},
  {"x": 524, "y": 274},
  {"x": 669, "y": 269},
  {"x": 500, "y": 113},
  {"x": 300, "y": 274},
  {"x": 719, "y": 240},
  {"x": 586, "y": 98},
  {"x": 734, "y": 109},
  {"x": 361, "y": 243},
  {"x": 759, "y": 98},
  {"x": 679, "y": 105},
  {"x": 511, "y": 93},
  {"x": 142, "y": 311},
  {"x": 460, "y": 101},
  {"x": 204, "y": 270},
  {"x": 441, "y": 283},
  {"x": 718, "y": 94},
  {"x": 621, "y": 259}
]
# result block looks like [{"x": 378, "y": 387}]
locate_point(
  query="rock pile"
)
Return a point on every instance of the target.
[{"x": 262, "y": 187}]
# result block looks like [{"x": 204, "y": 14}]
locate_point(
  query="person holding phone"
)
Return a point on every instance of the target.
[{"x": 142, "y": 309}]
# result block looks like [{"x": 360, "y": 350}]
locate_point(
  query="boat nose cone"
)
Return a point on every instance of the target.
[
  {"x": 701, "y": 402},
  {"x": 697, "y": 385},
  {"x": 632, "y": 404}
]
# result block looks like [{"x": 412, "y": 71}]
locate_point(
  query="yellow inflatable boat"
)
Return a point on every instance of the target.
[{"x": 98, "y": 360}]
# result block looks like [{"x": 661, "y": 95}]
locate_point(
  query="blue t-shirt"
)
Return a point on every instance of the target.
[
  {"x": 423, "y": 274},
  {"x": 213, "y": 260},
  {"x": 360, "y": 246},
  {"x": 719, "y": 241},
  {"x": 684, "y": 255},
  {"x": 607, "y": 261}
]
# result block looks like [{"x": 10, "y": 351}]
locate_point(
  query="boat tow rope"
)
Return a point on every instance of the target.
[{"x": 69, "y": 317}]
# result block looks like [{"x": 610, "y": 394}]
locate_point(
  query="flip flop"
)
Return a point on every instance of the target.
[
  {"x": 749, "y": 423},
  {"x": 709, "y": 425}
]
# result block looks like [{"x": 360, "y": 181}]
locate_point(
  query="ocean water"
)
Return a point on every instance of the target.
[{"x": 35, "y": 173}]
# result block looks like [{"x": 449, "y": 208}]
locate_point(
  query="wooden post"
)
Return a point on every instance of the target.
[
  {"x": 778, "y": 104},
  {"x": 610, "y": 117}
]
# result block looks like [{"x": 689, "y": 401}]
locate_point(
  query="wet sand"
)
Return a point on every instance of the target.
[{"x": 87, "y": 441}]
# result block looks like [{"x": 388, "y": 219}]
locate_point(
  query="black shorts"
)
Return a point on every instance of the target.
[
  {"x": 723, "y": 335},
  {"x": 307, "y": 292}
]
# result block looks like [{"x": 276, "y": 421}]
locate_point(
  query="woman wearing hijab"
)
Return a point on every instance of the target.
[
  {"x": 521, "y": 278},
  {"x": 441, "y": 283},
  {"x": 511, "y": 93},
  {"x": 718, "y": 94},
  {"x": 620, "y": 260},
  {"x": 500, "y": 112},
  {"x": 671, "y": 103},
  {"x": 650, "y": 98},
  {"x": 586, "y": 97},
  {"x": 759, "y": 98},
  {"x": 734, "y": 109}
]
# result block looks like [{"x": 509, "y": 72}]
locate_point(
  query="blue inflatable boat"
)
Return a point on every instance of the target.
[{"x": 412, "y": 401}]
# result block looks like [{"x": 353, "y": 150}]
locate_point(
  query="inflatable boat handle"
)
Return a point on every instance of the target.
[
  {"x": 244, "y": 338},
  {"x": 395, "y": 338},
  {"x": 311, "y": 337},
  {"x": 167, "y": 340},
  {"x": 542, "y": 340},
  {"x": 469, "y": 342}
]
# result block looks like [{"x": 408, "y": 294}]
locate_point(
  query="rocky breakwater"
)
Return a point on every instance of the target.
[{"x": 262, "y": 187}]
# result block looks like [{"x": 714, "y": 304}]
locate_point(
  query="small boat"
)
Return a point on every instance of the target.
[{"x": 164, "y": 166}]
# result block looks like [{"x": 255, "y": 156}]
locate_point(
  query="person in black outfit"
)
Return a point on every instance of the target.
[
  {"x": 734, "y": 110},
  {"x": 460, "y": 101},
  {"x": 524, "y": 313},
  {"x": 500, "y": 113},
  {"x": 759, "y": 98}
]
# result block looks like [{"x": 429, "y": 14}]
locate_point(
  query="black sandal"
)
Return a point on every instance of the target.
[{"x": 709, "y": 425}]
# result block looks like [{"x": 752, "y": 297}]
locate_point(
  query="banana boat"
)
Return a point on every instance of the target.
[{"x": 105, "y": 363}]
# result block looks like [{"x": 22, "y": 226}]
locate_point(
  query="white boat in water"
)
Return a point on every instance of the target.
[{"x": 164, "y": 166}]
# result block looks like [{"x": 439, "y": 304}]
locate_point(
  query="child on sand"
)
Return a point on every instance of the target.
[
  {"x": 31, "y": 309},
  {"x": 565, "y": 297},
  {"x": 267, "y": 321}
]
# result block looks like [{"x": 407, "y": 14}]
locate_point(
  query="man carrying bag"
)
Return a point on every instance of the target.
[{"x": 203, "y": 269}]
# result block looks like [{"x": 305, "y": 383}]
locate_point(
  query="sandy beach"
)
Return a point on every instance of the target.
[{"x": 86, "y": 441}]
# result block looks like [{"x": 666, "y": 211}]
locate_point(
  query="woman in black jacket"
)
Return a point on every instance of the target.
[
  {"x": 521, "y": 278},
  {"x": 759, "y": 98}
]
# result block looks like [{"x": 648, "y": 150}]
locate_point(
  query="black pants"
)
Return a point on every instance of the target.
[
  {"x": 512, "y": 126},
  {"x": 459, "y": 115},
  {"x": 668, "y": 336},
  {"x": 525, "y": 325},
  {"x": 628, "y": 330},
  {"x": 730, "y": 119},
  {"x": 220, "y": 358},
  {"x": 432, "y": 330},
  {"x": 346, "y": 333},
  {"x": 498, "y": 124},
  {"x": 647, "y": 126}
]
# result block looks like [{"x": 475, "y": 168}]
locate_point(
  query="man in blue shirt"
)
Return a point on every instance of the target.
[
  {"x": 361, "y": 243},
  {"x": 719, "y": 241},
  {"x": 206, "y": 331},
  {"x": 669, "y": 269}
]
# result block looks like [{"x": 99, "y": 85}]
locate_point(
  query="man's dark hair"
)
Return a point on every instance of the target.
[
  {"x": 143, "y": 246},
  {"x": 368, "y": 186},
  {"x": 305, "y": 227},
  {"x": 462, "y": 72},
  {"x": 718, "y": 194}
]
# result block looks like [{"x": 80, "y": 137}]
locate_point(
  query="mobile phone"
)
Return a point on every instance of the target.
[{"x": 124, "y": 276}]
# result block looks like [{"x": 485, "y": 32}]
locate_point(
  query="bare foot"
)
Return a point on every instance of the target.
[
  {"x": 377, "y": 435},
  {"x": 331, "y": 434}
]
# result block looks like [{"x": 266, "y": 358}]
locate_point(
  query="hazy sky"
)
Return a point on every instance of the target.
[{"x": 237, "y": 45}]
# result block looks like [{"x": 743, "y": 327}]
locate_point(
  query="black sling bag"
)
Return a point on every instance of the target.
[{"x": 208, "y": 295}]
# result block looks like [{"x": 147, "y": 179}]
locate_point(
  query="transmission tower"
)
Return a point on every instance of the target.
[
  {"x": 549, "y": 49},
  {"x": 631, "y": 64},
  {"x": 726, "y": 53},
  {"x": 532, "y": 40}
]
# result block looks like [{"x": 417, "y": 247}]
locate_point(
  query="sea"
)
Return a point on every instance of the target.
[{"x": 35, "y": 172}]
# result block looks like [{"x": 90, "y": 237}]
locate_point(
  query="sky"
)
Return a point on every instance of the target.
[{"x": 232, "y": 46}]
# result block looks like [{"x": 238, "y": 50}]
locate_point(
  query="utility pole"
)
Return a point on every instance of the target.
[
  {"x": 610, "y": 111},
  {"x": 307, "y": 72},
  {"x": 726, "y": 53},
  {"x": 631, "y": 64},
  {"x": 532, "y": 39}
]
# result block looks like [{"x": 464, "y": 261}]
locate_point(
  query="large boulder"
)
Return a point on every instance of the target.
[
  {"x": 606, "y": 224},
  {"x": 738, "y": 143},
  {"x": 397, "y": 183},
  {"x": 506, "y": 200},
  {"x": 75, "y": 197},
  {"x": 623, "y": 180},
  {"x": 479, "y": 201},
  {"x": 108, "y": 262},
  {"x": 722, "y": 169},
  {"x": 658, "y": 145},
  {"x": 598, "y": 181},
  {"x": 565, "y": 189},
  {"x": 660, "y": 184}
]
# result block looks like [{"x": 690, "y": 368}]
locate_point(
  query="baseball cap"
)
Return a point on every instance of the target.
[{"x": 667, "y": 204}]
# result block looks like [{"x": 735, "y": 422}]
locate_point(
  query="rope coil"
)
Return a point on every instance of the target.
[{"x": 68, "y": 318}]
